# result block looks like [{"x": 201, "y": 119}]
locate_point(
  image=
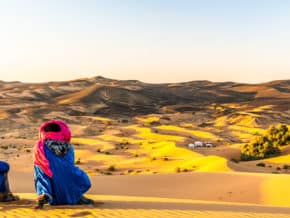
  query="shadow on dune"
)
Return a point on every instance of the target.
[
  {"x": 28, "y": 203},
  {"x": 22, "y": 203},
  {"x": 193, "y": 206},
  {"x": 146, "y": 205}
]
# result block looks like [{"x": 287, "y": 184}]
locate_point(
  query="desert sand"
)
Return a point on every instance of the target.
[
  {"x": 166, "y": 195},
  {"x": 128, "y": 207}
]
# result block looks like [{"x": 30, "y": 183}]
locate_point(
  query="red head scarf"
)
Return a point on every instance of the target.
[{"x": 63, "y": 135}]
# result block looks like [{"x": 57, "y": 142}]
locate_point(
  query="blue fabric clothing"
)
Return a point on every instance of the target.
[
  {"x": 67, "y": 184},
  {"x": 4, "y": 168}
]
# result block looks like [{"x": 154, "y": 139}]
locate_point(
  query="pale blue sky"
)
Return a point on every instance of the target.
[{"x": 148, "y": 40}]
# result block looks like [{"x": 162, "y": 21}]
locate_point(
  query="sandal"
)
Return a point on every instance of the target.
[
  {"x": 41, "y": 201},
  {"x": 85, "y": 200}
]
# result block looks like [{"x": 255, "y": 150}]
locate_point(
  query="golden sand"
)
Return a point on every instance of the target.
[{"x": 143, "y": 207}]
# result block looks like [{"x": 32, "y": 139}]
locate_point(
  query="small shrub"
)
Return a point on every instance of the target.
[
  {"x": 130, "y": 171},
  {"x": 177, "y": 170},
  {"x": 166, "y": 118},
  {"x": 99, "y": 150},
  {"x": 286, "y": 167},
  {"x": 275, "y": 172},
  {"x": 261, "y": 164},
  {"x": 107, "y": 153},
  {"x": 234, "y": 160},
  {"x": 278, "y": 168},
  {"x": 78, "y": 161},
  {"x": 165, "y": 158},
  {"x": 111, "y": 168},
  {"x": 155, "y": 123}
]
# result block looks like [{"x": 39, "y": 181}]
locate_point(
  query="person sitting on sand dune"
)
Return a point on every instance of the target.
[
  {"x": 5, "y": 193},
  {"x": 57, "y": 180}
]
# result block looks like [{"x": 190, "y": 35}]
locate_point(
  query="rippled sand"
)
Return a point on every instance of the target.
[{"x": 130, "y": 207}]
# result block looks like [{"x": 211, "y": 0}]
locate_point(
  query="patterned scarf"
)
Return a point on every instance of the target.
[
  {"x": 39, "y": 157},
  {"x": 57, "y": 147}
]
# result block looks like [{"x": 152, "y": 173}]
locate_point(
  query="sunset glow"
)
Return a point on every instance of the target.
[{"x": 153, "y": 40}]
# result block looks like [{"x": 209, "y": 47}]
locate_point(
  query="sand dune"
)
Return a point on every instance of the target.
[
  {"x": 253, "y": 188},
  {"x": 168, "y": 117},
  {"x": 128, "y": 207}
]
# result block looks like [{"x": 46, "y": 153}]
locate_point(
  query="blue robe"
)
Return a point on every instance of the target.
[
  {"x": 4, "y": 168},
  {"x": 67, "y": 184}
]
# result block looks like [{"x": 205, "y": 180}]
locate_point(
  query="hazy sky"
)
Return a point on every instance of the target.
[{"x": 148, "y": 40}]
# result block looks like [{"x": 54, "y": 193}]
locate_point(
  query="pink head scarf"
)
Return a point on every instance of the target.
[{"x": 39, "y": 155}]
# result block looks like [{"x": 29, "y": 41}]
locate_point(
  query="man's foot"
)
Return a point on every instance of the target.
[
  {"x": 8, "y": 196},
  {"x": 85, "y": 200},
  {"x": 41, "y": 201}
]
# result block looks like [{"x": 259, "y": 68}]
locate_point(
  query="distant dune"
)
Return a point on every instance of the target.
[{"x": 106, "y": 96}]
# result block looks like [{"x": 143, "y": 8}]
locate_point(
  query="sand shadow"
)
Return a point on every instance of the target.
[
  {"x": 147, "y": 205},
  {"x": 193, "y": 206},
  {"x": 27, "y": 203},
  {"x": 81, "y": 214}
]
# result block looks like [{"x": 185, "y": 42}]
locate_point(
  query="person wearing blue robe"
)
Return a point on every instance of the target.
[
  {"x": 58, "y": 181},
  {"x": 5, "y": 193}
]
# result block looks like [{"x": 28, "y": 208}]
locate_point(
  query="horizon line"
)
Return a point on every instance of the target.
[{"x": 103, "y": 77}]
